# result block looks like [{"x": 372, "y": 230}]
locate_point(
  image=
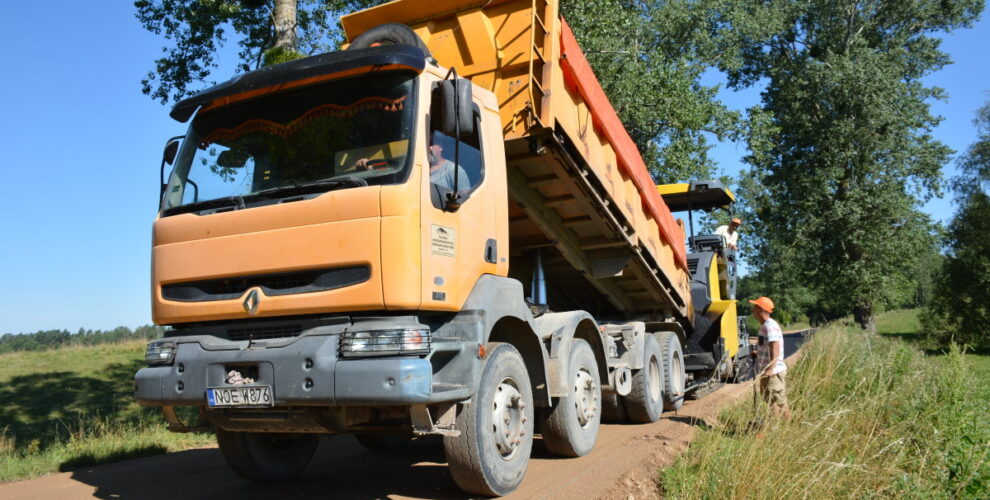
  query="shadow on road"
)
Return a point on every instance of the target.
[{"x": 342, "y": 468}]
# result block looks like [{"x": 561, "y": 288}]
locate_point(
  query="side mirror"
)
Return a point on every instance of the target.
[
  {"x": 171, "y": 149},
  {"x": 168, "y": 157},
  {"x": 456, "y": 113}
]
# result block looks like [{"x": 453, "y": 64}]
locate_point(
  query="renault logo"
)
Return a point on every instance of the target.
[{"x": 251, "y": 302}]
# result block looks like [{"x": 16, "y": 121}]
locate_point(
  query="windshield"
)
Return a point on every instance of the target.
[{"x": 343, "y": 134}]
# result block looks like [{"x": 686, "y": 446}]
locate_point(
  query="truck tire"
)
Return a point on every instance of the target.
[
  {"x": 496, "y": 425},
  {"x": 570, "y": 428},
  {"x": 266, "y": 457},
  {"x": 673, "y": 370},
  {"x": 612, "y": 410},
  {"x": 390, "y": 34},
  {"x": 645, "y": 401},
  {"x": 383, "y": 442}
]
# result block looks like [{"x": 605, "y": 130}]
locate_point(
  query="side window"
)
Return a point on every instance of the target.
[{"x": 449, "y": 158}]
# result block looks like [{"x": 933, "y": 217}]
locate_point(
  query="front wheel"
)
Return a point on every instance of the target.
[
  {"x": 571, "y": 428},
  {"x": 496, "y": 425},
  {"x": 266, "y": 457}
]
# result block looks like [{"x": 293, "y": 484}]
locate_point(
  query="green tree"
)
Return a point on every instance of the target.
[
  {"x": 960, "y": 309},
  {"x": 267, "y": 32},
  {"x": 644, "y": 53},
  {"x": 841, "y": 149}
]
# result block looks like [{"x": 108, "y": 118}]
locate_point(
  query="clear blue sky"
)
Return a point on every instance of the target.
[{"x": 82, "y": 147}]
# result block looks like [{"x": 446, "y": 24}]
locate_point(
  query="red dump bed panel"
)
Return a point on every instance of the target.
[{"x": 578, "y": 73}]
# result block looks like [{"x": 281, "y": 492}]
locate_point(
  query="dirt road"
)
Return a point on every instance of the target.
[{"x": 623, "y": 464}]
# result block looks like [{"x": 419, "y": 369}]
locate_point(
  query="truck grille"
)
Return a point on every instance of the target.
[
  {"x": 316, "y": 280},
  {"x": 263, "y": 333}
]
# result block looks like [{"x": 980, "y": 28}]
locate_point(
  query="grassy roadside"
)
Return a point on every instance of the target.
[
  {"x": 72, "y": 407},
  {"x": 874, "y": 417}
]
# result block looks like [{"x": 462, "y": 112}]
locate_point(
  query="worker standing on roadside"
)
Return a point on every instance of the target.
[
  {"x": 770, "y": 359},
  {"x": 730, "y": 233}
]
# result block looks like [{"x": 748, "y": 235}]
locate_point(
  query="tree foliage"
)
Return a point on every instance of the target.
[
  {"x": 842, "y": 154},
  {"x": 960, "y": 308},
  {"x": 196, "y": 30}
]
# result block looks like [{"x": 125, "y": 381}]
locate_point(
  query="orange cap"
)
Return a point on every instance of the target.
[
  {"x": 764, "y": 303},
  {"x": 737, "y": 221}
]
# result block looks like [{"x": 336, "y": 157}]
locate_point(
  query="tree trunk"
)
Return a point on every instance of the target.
[
  {"x": 863, "y": 314},
  {"x": 284, "y": 18}
]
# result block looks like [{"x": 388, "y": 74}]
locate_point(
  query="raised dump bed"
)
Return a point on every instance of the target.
[{"x": 580, "y": 194}]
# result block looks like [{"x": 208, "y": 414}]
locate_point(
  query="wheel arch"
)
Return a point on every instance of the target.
[
  {"x": 517, "y": 332},
  {"x": 501, "y": 304},
  {"x": 558, "y": 330}
]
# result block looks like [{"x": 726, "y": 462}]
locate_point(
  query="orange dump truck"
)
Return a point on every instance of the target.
[{"x": 443, "y": 229}]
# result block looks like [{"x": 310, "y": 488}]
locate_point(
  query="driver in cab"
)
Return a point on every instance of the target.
[{"x": 442, "y": 170}]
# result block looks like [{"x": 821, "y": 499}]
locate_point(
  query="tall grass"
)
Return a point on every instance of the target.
[{"x": 873, "y": 417}]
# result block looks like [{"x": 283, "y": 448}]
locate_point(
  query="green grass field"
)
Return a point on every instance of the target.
[
  {"x": 73, "y": 407},
  {"x": 874, "y": 416}
]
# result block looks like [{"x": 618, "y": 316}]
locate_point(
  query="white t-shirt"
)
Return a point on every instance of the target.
[
  {"x": 444, "y": 176},
  {"x": 730, "y": 238},
  {"x": 770, "y": 332}
]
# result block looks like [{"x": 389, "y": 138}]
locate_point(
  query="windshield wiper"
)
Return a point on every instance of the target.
[
  {"x": 310, "y": 187},
  {"x": 235, "y": 201}
]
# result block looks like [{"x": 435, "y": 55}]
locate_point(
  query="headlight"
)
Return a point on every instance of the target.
[
  {"x": 385, "y": 342},
  {"x": 160, "y": 352}
]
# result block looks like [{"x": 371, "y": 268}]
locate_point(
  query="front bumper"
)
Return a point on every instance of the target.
[{"x": 307, "y": 371}]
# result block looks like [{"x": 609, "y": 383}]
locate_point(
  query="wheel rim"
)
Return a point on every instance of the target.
[
  {"x": 585, "y": 397},
  {"x": 508, "y": 418},
  {"x": 654, "y": 379},
  {"x": 677, "y": 382}
]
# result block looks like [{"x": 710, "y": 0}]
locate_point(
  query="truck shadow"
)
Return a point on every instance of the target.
[{"x": 341, "y": 469}]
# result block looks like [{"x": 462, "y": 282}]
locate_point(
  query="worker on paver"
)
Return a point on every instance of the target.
[
  {"x": 770, "y": 359},
  {"x": 730, "y": 233}
]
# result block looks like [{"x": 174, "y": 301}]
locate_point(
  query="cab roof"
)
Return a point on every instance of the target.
[
  {"x": 307, "y": 69},
  {"x": 697, "y": 195}
]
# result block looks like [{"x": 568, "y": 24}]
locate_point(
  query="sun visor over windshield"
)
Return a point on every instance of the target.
[{"x": 386, "y": 57}]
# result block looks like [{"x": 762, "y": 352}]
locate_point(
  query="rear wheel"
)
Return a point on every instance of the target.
[
  {"x": 644, "y": 403},
  {"x": 496, "y": 425},
  {"x": 673, "y": 370},
  {"x": 266, "y": 457},
  {"x": 571, "y": 428},
  {"x": 613, "y": 411}
]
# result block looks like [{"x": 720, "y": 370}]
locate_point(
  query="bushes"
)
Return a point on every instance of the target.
[
  {"x": 52, "y": 339},
  {"x": 874, "y": 417}
]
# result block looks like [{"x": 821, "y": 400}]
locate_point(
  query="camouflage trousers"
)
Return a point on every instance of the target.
[{"x": 774, "y": 390}]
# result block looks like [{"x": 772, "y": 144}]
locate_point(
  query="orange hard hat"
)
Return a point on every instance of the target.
[
  {"x": 764, "y": 303},
  {"x": 737, "y": 222}
]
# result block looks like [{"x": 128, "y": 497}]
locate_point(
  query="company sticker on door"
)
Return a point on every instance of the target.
[{"x": 442, "y": 241}]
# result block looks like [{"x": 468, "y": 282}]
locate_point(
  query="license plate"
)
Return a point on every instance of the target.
[{"x": 254, "y": 395}]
